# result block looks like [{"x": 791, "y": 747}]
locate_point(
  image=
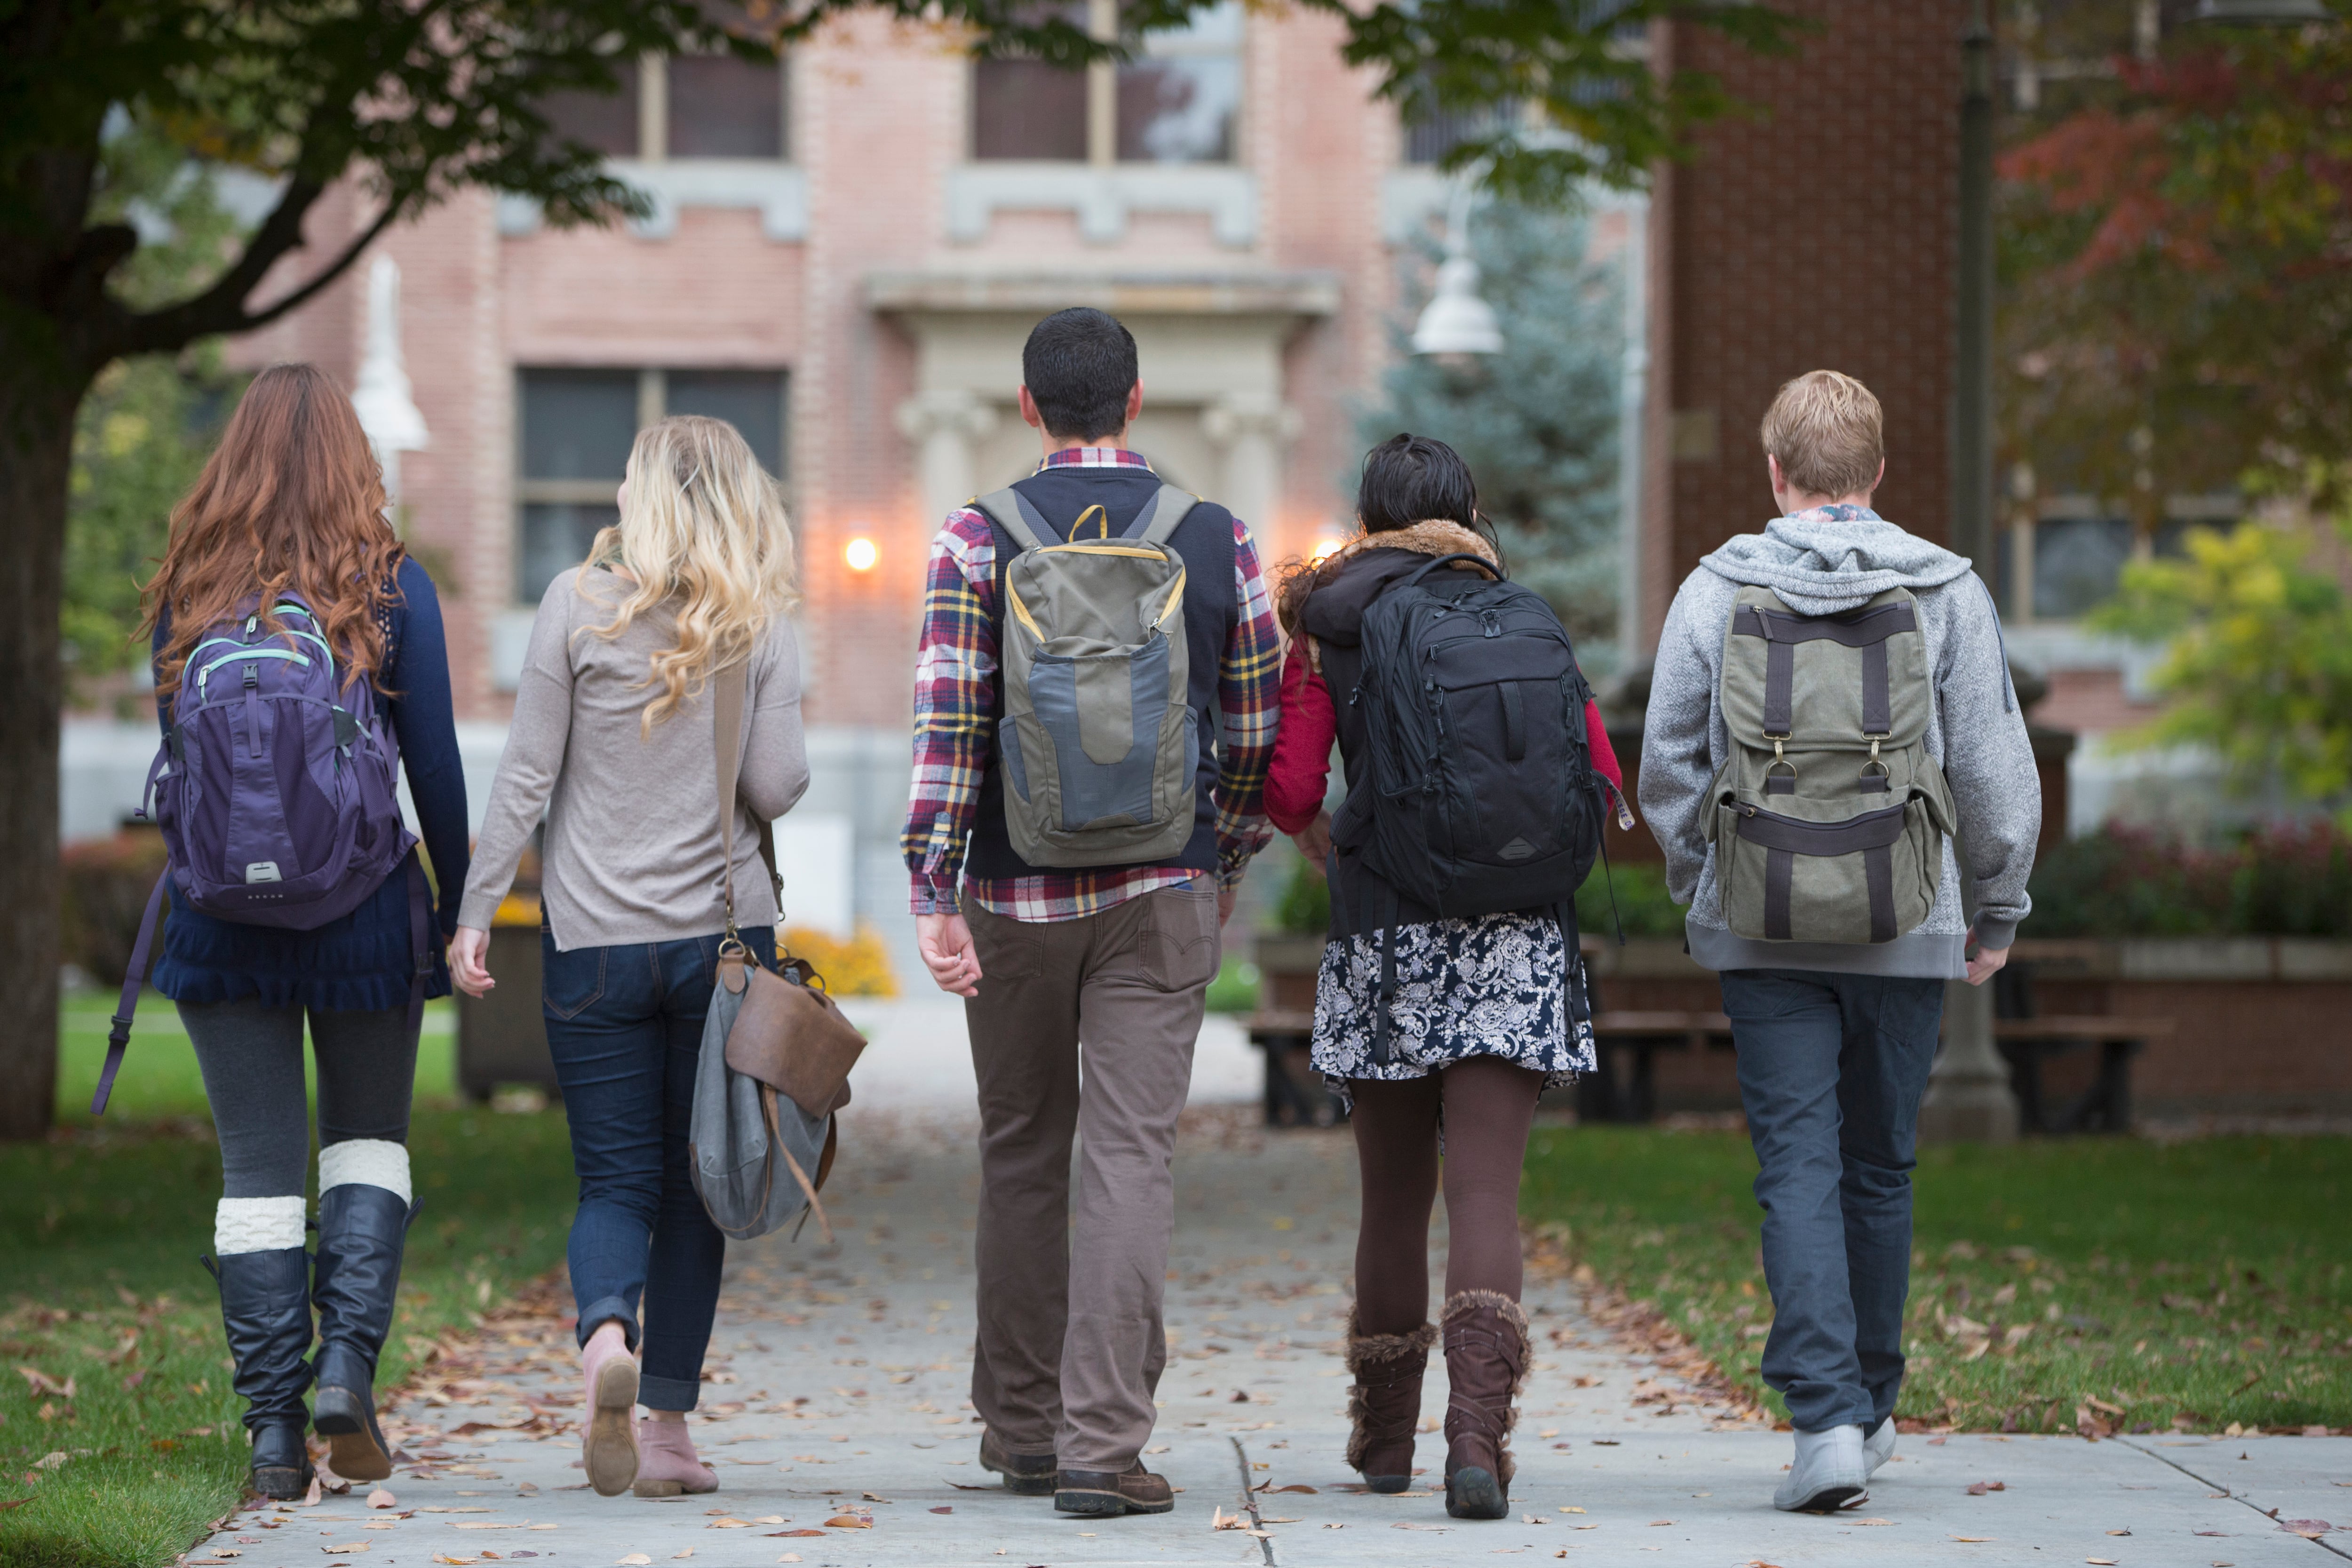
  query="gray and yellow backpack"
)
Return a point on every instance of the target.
[
  {"x": 1830, "y": 816},
  {"x": 1099, "y": 741}
]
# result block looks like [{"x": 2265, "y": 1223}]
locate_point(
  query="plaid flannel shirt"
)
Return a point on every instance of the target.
[{"x": 955, "y": 677}]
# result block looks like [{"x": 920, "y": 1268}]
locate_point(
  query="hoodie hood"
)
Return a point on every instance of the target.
[{"x": 1833, "y": 559}]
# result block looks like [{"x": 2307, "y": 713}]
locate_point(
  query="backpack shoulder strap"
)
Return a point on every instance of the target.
[
  {"x": 1159, "y": 520},
  {"x": 1014, "y": 513}
]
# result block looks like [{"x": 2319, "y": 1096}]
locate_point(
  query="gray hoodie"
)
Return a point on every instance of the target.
[{"x": 1821, "y": 563}]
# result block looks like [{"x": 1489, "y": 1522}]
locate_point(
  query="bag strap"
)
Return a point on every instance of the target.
[
  {"x": 1479, "y": 560},
  {"x": 117, "y": 1037},
  {"x": 727, "y": 690},
  {"x": 1170, "y": 508},
  {"x": 1014, "y": 513}
]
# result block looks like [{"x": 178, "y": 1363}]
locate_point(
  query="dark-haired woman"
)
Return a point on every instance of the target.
[
  {"x": 293, "y": 501},
  {"x": 1480, "y": 1020}
]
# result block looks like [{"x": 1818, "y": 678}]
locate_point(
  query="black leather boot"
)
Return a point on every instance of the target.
[
  {"x": 266, "y": 1309},
  {"x": 360, "y": 1232}
]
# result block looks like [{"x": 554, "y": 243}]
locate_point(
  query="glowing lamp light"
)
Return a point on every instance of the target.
[
  {"x": 1329, "y": 544},
  {"x": 861, "y": 553}
]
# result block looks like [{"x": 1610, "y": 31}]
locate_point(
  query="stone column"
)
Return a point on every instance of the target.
[
  {"x": 943, "y": 426},
  {"x": 1968, "y": 1100},
  {"x": 1252, "y": 427}
]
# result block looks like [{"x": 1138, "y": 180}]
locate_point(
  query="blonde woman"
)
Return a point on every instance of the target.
[{"x": 612, "y": 738}]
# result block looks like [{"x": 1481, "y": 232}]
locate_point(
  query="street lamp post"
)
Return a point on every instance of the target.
[
  {"x": 1456, "y": 321},
  {"x": 1968, "y": 1096},
  {"x": 383, "y": 398}
]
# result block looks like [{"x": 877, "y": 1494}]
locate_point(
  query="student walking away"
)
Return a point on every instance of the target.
[
  {"x": 299, "y": 665},
  {"x": 1082, "y": 631},
  {"x": 1837, "y": 769},
  {"x": 613, "y": 737},
  {"x": 1450, "y": 996}
]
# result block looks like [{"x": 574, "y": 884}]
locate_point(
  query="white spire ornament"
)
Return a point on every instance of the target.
[{"x": 385, "y": 401}]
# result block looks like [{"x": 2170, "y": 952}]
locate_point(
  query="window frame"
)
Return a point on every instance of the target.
[
  {"x": 1102, "y": 97},
  {"x": 652, "y": 115},
  {"x": 653, "y": 404}
]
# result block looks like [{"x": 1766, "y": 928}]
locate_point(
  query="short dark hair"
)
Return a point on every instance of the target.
[
  {"x": 1412, "y": 479},
  {"x": 1079, "y": 365}
]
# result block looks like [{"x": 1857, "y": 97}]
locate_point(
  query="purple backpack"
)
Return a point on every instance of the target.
[{"x": 276, "y": 790}]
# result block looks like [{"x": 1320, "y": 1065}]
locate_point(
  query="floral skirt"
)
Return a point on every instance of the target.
[{"x": 1494, "y": 987}]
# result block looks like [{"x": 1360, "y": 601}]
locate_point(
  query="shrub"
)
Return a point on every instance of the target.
[
  {"x": 107, "y": 881},
  {"x": 859, "y": 966},
  {"x": 1305, "y": 907},
  {"x": 1641, "y": 903},
  {"x": 2129, "y": 881}
]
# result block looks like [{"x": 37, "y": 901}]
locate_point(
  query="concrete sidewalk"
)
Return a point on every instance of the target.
[{"x": 836, "y": 1414}]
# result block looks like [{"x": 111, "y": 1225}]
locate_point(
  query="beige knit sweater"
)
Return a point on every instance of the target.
[{"x": 633, "y": 842}]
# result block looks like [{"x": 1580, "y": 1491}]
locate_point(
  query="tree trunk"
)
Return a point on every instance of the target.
[{"x": 37, "y": 423}]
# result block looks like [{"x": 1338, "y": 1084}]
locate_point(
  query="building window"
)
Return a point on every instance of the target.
[
  {"x": 574, "y": 430},
  {"x": 683, "y": 106},
  {"x": 1177, "y": 103}
]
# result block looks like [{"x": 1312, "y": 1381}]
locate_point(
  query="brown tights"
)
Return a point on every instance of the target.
[{"x": 1488, "y": 1104}]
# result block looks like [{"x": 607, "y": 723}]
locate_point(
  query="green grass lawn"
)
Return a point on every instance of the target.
[
  {"x": 2202, "y": 1284},
  {"x": 100, "y": 1290}
]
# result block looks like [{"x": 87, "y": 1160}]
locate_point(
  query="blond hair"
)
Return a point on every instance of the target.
[
  {"x": 703, "y": 534},
  {"x": 1828, "y": 432}
]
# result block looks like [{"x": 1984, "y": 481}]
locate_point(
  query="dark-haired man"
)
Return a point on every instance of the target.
[{"x": 1108, "y": 965}]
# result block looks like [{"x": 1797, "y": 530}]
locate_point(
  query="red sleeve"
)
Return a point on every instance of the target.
[
  {"x": 1604, "y": 755},
  {"x": 1301, "y": 770}
]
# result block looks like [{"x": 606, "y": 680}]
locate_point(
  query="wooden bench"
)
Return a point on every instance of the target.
[
  {"x": 1608, "y": 1094},
  {"x": 1295, "y": 1095},
  {"x": 2104, "y": 1106}
]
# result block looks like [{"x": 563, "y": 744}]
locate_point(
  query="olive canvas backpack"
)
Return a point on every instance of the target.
[{"x": 1829, "y": 818}]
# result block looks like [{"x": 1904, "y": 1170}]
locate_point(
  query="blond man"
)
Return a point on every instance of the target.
[{"x": 1885, "y": 704}]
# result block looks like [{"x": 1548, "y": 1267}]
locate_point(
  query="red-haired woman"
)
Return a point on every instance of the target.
[{"x": 293, "y": 502}]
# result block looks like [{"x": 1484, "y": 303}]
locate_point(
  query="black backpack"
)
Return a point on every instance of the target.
[{"x": 1484, "y": 795}]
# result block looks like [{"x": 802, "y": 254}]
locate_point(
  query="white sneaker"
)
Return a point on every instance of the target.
[
  {"x": 1879, "y": 1446},
  {"x": 1830, "y": 1470}
]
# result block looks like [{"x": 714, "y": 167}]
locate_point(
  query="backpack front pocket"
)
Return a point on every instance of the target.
[{"x": 1855, "y": 879}]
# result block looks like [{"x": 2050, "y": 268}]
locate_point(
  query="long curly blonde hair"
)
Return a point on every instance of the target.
[{"x": 703, "y": 540}]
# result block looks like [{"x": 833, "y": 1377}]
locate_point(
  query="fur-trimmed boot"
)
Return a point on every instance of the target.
[
  {"x": 1385, "y": 1403},
  {"x": 1486, "y": 1367}
]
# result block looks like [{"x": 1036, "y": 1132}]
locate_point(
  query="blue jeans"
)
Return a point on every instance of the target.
[
  {"x": 1831, "y": 1071},
  {"x": 624, "y": 1025}
]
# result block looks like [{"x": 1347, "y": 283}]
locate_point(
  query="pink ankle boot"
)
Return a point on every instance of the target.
[
  {"x": 670, "y": 1465},
  {"x": 608, "y": 1439}
]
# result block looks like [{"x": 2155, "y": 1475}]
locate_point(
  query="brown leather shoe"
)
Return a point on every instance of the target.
[
  {"x": 1486, "y": 1365},
  {"x": 1025, "y": 1475},
  {"x": 1384, "y": 1404},
  {"x": 1106, "y": 1493}
]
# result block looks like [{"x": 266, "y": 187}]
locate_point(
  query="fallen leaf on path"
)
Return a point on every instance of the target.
[
  {"x": 2101, "y": 1561},
  {"x": 789, "y": 1557},
  {"x": 1566, "y": 1508},
  {"x": 1335, "y": 1526},
  {"x": 676, "y": 1556},
  {"x": 346, "y": 1546},
  {"x": 1295, "y": 1487},
  {"x": 1865, "y": 1521},
  {"x": 848, "y": 1522},
  {"x": 816, "y": 1532},
  {"x": 943, "y": 1508},
  {"x": 2309, "y": 1529},
  {"x": 309, "y": 1500},
  {"x": 1434, "y": 1528},
  {"x": 1974, "y": 1538},
  {"x": 729, "y": 1522},
  {"x": 634, "y": 1560},
  {"x": 443, "y": 1557},
  {"x": 381, "y": 1498},
  {"x": 1978, "y": 1488},
  {"x": 2119, "y": 1532},
  {"x": 873, "y": 1497}
]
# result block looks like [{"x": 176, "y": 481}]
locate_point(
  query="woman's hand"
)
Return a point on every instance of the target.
[
  {"x": 466, "y": 951},
  {"x": 1314, "y": 840}
]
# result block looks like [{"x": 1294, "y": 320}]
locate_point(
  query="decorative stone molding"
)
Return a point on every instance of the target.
[
  {"x": 944, "y": 424},
  {"x": 778, "y": 191},
  {"x": 1103, "y": 197},
  {"x": 1249, "y": 416}
]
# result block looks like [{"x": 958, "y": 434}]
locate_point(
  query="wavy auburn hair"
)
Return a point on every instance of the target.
[
  {"x": 703, "y": 539},
  {"x": 291, "y": 499}
]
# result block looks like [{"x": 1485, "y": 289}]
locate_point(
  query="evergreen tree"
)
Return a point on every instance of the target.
[{"x": 1538, "y": 423}]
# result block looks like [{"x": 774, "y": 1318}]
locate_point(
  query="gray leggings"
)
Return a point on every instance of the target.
[{"x": 252, "y": 1061}]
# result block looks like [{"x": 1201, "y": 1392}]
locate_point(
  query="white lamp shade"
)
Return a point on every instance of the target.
[
  {"x": 1455, "y": 320},
  {"x": 383, "y": 398}
]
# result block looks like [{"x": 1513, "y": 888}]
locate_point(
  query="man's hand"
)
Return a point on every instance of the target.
[
  {"x": 1226, "y": 899},
  {"x": 466, "y": 951},
  {"x": 1984, "y": 962},
  {"x": 945, "y": 942},
  {"x": 1314, "y": 840}
]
